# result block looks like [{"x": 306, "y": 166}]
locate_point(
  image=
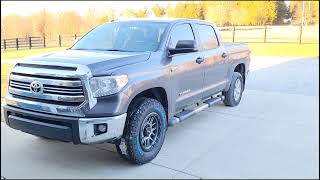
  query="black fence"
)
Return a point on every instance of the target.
[
  {"x": 38, "y": 42},
  {"x": 271, "y": 34}
]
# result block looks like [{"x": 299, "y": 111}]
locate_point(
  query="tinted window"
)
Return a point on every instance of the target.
[
  {"x": 123, "y": 36},
  {"x": 208, "y": 37},
  {"x": 180, "y": 32}
]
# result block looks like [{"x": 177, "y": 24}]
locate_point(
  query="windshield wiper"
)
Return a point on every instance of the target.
[
  {"x": 113, "y": 50},
  {"x": 120, "y": 50}
]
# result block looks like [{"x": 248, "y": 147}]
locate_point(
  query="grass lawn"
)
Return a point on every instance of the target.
[{"x": 284, "y": 49}]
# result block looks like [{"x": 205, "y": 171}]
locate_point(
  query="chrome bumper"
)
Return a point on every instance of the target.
[
  {"x": 115, "y": 126},
  {"x": 78, "y": 130}
]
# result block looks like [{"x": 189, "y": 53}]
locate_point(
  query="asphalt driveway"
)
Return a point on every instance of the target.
[{"x": 273, "y": 133}]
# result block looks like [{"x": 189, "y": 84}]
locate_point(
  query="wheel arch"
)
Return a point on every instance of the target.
[
  {"x": 158, "y": 93},
  {"x": 239, "y": 66}
]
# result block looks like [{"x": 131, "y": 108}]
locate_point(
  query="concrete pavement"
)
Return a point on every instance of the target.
[{"x": 273, "y": 133}]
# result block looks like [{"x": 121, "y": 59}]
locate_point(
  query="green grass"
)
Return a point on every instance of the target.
[
  {"x": 17, "y": 54},
  {"x": 284, "y": 49}
]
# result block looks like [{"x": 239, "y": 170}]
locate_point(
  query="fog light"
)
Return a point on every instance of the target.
[{"x": 100, "y": 128}]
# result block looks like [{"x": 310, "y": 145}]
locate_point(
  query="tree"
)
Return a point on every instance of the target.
[
  {"x": 282, "y": 12},
  {"x": 266, "y": 12},
  {"x": 169, "y": 10},
  {"x": 190, "y": 10},
  {"x": 43, "y": 23},
  {"x": 142, "y": 13},
  {"x": 219, "y": 12},
  {"x": 91, "y": 19},
  {"x": 305, "y": 12},
  {"x": 109, "y": 15},
  {"x": 239, "y": 16},
  {"x": 69, "y": 22},
  {"x": 159, "y": 11},
  {"x": 130, "y": 13},
  {"x": 315, "y": 5}
]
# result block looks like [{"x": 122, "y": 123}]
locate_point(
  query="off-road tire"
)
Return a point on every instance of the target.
[
  {"x": 229, "y": 99},
  {"x": 130, "y": 147}
]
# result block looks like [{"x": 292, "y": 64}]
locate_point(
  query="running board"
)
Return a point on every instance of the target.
[{"x": 188, "y": 113}]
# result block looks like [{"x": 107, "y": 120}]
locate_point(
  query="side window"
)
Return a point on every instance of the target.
[
  {"x": 180, "y": 32},
  {"x": 207, "y": 36}
]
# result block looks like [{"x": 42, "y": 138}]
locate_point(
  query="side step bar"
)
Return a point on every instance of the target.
[{"x": 188, "y": 113}]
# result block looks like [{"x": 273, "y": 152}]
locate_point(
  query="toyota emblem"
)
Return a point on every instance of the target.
[{"x": 36, "y": 87}]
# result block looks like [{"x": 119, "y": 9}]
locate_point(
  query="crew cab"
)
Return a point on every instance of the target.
[{"x": 125, "y": 82}]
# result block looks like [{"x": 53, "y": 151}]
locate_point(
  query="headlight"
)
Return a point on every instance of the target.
[{"x": 107, "y": 85}]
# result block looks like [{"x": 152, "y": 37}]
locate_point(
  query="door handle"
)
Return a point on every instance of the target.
[
  {"x": 224, "y": 55},
  {"x": 199, "y": 60}
]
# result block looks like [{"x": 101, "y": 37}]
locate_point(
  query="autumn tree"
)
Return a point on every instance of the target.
[
  {"x": 16, "y": 26},
  {"x": 43, "y": 23},
  {"x": 219, "y": 12},
  {"x": 140, "y": 13},
  {"x": 306, "y": 12},
  {"x": 192, "y": 10},
  {"x": 159, "y": 11},
  {"x": 239, "y": 15},
  {"x": 69, "y": 22},
  {"x": 108, "y": 15},
  {"x": 90, "y": 20},
  {"x": 169, "y": 11},
  {"x": 265, "y": 12}
]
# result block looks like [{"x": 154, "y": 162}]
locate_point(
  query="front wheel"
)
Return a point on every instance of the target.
[
  {"x": 144, "y": 132},
  {"x": 234, "y": 93}
]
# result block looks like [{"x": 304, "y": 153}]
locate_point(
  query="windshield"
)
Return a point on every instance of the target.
[{"x": 123, "y": 36}]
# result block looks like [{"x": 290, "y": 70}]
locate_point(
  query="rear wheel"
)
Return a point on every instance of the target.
[
  {"x": 234, "y": 93},
  {"x": 144, "y": 132}
]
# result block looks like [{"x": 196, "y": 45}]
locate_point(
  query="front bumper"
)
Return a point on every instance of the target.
[{"x": 63, "y": 128}]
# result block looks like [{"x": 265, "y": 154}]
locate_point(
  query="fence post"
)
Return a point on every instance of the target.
[
  {"x": 17, "y": 43},
  {"x": 300, "y": 35},
  {"x": 4, "y": 44},
  {"x": 265, "y": 34},
  {"x": 30, "y": 45},
  {"x": 75, "y": 36},
  {"x": 59, "y": 40},
  {"x": 44, "y": 41},
  {"x": 233, "y": 33}
]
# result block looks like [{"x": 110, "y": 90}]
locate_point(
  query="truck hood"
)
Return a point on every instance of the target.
[{"x": 99, "y": 62}]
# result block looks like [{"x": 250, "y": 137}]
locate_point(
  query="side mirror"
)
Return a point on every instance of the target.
[{"x": 184, "y": 46}]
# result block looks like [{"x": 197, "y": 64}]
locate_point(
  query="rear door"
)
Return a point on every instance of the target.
[
  {"x": 187, "y": 75},
  {"x": 214, "y": 55}
]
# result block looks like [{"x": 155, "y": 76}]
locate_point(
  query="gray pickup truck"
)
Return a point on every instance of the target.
[{"x": 125, "y": 82}]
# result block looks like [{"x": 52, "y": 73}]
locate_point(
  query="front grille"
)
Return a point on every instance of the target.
[{"x": 54, "y": 89}]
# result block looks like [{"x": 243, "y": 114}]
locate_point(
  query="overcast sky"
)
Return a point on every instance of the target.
[{"x": 27, "y": 7}]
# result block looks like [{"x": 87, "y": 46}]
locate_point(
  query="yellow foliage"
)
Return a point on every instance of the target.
[{"x": 158, "y": 10}]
